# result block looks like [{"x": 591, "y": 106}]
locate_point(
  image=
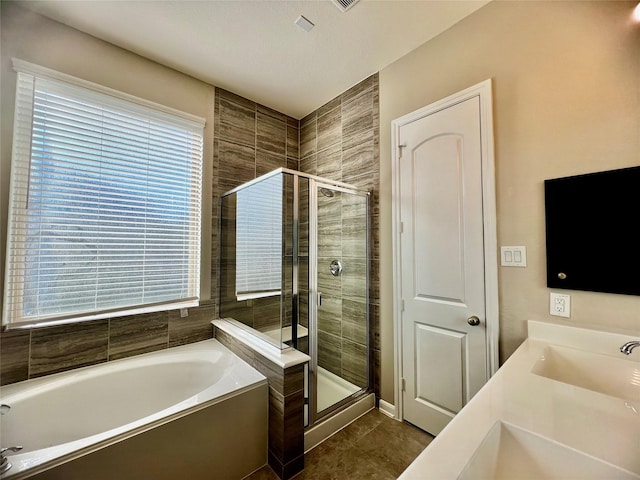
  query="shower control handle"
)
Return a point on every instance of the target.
[
  {"x": 335, "y": 268},
  {"x": 473, "y": 321}
]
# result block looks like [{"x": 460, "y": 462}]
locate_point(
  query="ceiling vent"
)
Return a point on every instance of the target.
[
  {"x": 304, "y": 23},
  {"x": 344, "y": 5}
]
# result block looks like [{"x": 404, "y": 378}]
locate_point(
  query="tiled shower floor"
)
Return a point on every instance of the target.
[{"x": 374, "y": 447}]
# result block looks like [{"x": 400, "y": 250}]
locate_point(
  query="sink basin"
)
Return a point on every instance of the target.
[
  {"x": 613, "y": 376},
  {"x": 509, "y": 452}
]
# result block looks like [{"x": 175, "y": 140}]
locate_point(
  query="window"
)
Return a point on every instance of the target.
[
  {"x": 259, "y": 239},
  {"x": 105, "y": 200}
]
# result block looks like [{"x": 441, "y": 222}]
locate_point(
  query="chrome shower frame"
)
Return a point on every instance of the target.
[{"x": 317, "y": 184}]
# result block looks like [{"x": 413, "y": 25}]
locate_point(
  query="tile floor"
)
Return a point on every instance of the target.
[{"x": 374, "y": 447}]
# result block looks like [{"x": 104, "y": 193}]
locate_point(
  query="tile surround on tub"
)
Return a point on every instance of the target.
[
  {"x": 56, "y": 349},
  {"x": 26, "y": 354},
  {"x": 145, "y": 334},
  {"x": 193, "y": 328},
  {"x": 14, "y": 356}
]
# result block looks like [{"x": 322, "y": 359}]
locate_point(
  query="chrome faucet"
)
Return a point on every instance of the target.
[
  {"x": 628, "y": 347},
  {"x": 4, "y": 461}
]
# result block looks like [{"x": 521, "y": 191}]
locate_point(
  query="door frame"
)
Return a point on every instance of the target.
[{"x": 483, "y": 90}]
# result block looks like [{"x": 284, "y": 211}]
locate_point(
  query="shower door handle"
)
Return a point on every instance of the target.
[{"x": 319, "y": 299}]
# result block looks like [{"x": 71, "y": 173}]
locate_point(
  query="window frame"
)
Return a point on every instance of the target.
[{"x": 21, "y": 155}]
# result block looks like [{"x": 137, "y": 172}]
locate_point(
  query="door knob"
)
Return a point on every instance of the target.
[{"x": 473, "y": 321}]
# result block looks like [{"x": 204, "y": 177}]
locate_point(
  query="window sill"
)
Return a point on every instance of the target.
[{"x": 250, "y": 296}]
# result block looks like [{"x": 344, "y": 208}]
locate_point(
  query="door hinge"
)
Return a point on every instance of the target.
[
  {"x": 400, "y": 147},
  {"x": 403, "y": 385}
]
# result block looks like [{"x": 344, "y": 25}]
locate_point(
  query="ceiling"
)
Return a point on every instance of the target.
[{"x": 255, "y": 49}]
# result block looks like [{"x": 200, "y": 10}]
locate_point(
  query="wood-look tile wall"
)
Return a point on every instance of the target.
[
  {"x": 340, "y": 141},
  {"x": 286, "y": 407},
  {"x": 249, "y": 141},
  {"x": 42, "y": 351}
]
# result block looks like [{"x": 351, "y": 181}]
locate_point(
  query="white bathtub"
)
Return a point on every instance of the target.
[{"x": 195, "y": 411}]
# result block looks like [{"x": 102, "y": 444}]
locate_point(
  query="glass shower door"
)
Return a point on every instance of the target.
[{"x": 340, "y": 354}]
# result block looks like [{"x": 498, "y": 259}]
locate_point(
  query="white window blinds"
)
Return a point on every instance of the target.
[
  {"x": 259, "y": 244},
  {"x": 104, "y": 206}
]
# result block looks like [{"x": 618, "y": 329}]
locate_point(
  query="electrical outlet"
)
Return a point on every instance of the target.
[{"x": 560, "y": 305}]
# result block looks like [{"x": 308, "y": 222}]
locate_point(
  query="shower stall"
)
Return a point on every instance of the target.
[{"x": 294, "y": 272}]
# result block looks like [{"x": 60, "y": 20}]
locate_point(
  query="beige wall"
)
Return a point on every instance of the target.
[
  {"x": 566, "y": 94},
  {"x": 36, "y": 39}
]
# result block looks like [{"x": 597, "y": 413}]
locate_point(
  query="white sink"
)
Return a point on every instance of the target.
[
  {"x": 613, "y": 376},
  {"x": 509, "y": 452}
]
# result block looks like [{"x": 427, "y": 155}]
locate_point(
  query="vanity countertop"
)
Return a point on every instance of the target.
[{"x": 548, "y": 396}]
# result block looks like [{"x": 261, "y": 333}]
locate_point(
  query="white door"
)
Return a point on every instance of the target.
[{"x": 443, "y": 319}]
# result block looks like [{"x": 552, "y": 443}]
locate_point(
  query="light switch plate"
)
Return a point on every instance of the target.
[
  {"x": 560, "y": 305},
  {"x": 513, "y": 256}
]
